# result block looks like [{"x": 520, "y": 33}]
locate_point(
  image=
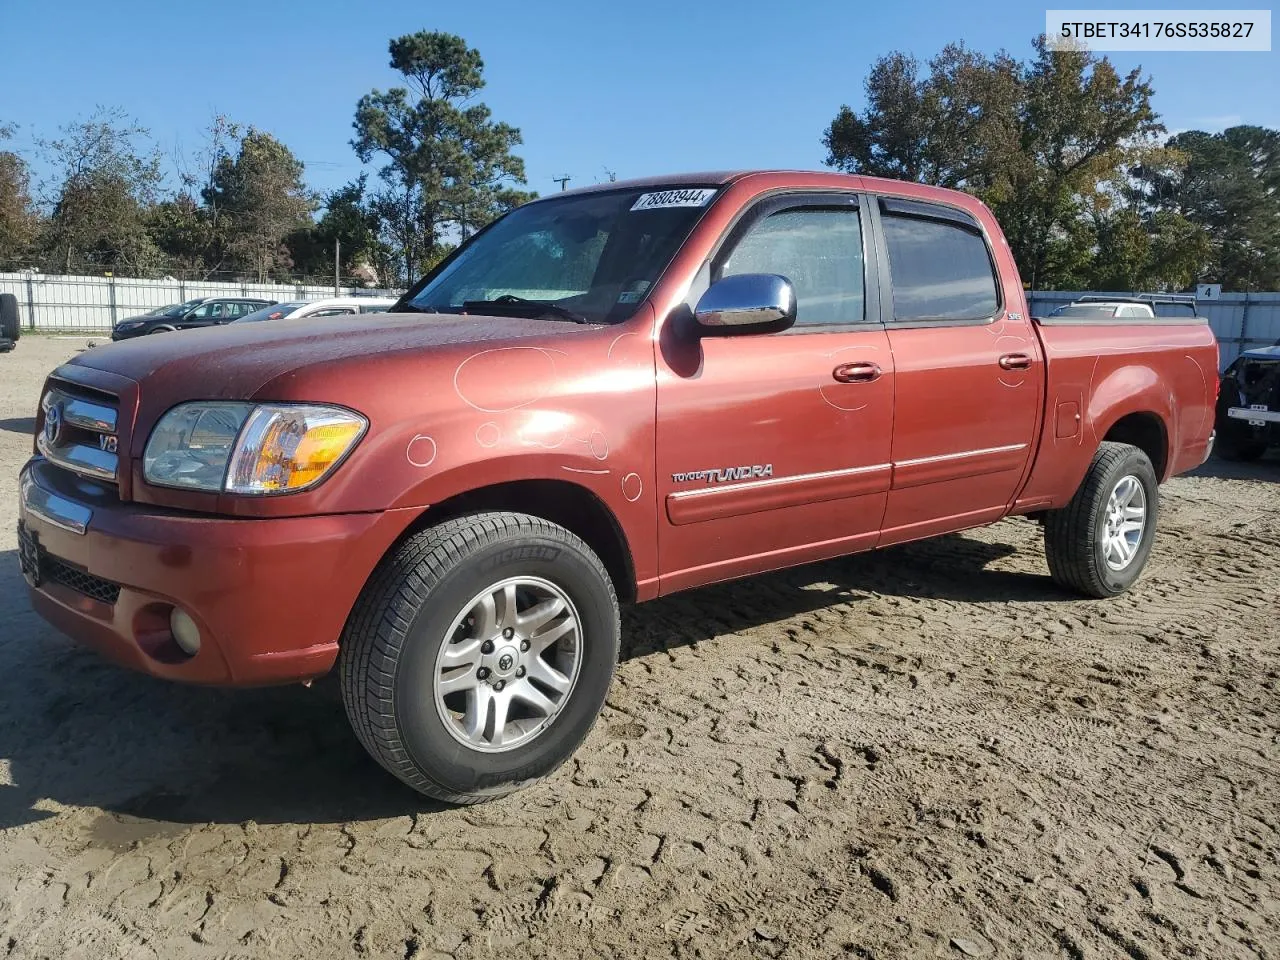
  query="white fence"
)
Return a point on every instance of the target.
[
  {"x": 94, "y": 304},
  {"x": 1239, "y": 320}
]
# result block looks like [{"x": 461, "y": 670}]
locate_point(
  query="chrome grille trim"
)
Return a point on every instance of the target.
[
  {"x": 84, "y": 414},
  {"x": 80, "y": 458},
  {"x": 52, "y": 508},
  {"x": 90, "y": 449}
]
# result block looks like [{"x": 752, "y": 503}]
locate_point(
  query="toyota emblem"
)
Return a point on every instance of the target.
[
  {"x": 505, "y": 662},
  {"x": 53, "y": 424}
]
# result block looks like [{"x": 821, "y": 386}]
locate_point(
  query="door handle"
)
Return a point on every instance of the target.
[
  {"x": 1015, "y": 361},
  {"x": 859, "y": 372}
]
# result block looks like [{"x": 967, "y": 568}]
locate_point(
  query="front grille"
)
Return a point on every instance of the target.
[
  {"x": 79, "y": 430},
  {"x": 73, "y": 578}
]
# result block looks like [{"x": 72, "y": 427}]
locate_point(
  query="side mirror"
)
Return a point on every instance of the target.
[{"x": 748, "y": 303}]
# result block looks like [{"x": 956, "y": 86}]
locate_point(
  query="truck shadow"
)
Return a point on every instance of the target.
[
  {"x": 78, "y": 731},
  {"x": 1267, "y": 468},
  {"x": 20, "y": 425}
]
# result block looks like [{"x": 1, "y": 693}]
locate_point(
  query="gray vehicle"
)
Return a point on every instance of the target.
[
  {"x": 1248, "y": 419},
  {"x": 200, "y": 312}
]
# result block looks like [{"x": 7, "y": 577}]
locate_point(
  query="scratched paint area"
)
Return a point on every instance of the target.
[{"x": 512, "y": 391}]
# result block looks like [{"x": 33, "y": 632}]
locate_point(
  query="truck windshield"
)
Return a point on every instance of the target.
[{"x": 590, "y": 257}]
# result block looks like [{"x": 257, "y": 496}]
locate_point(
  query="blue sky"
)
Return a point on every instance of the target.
[{"x": 635, "y": 88}]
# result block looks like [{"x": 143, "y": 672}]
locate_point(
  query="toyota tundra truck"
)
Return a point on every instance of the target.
[{"x": 605, "y": 396}]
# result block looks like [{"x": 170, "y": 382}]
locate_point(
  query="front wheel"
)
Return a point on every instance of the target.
[
  {"x": 1099, "y": 542},
  {"x": 479, "y": 654}
]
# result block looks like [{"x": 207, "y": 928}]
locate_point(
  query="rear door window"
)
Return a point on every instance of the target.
[{"x": 940, "y": 266}]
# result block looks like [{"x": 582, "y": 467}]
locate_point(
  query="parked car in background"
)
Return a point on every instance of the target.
[
  {"x": 200, "y": 312},
  {"x": 1145, "y": 306},
  {"x": 10, "y": 326},
  {"x": 328, "y": 307},
  {"x": 716, "y": 376},
  {"x": 1249, "y": 405}
]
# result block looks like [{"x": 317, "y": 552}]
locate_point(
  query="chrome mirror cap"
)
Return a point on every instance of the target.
[{"x": 748, "y": 300}]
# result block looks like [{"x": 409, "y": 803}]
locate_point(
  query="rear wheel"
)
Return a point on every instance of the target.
[
  {"x": 1099, "y": 542},
  {"x": 479, "y": 655}
]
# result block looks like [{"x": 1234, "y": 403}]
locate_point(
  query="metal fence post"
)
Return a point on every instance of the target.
[
  {"x": 31, "y": 303},
  {"x": 111, "y": 294}
]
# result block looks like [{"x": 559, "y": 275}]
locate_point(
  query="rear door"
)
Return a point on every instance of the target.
[
  {"x": 968, "y": 371},
  {"x": 774, "y": 448}
]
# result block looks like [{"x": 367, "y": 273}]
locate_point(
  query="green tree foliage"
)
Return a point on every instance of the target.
[
  {"x": 19, "y": 223},
  {"x": 103, "y": 184},
  {"x": 1038, "y": 141},
  {"x": 348, "y": 221},
  {"x": 184, "y": 232},
  {"x": 1229, "y": 184},
  {"x": 262, "y": 198},
  {"x": 449, "y": 166}
]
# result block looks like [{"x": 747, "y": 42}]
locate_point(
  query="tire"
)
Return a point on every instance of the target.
[
  {"x": 161, "y": 330},
  {"x": 10, "y": 326},
  {"x": 1244, "y": 450},
  {"x": 1075, "y": 538},
  {"x": 407, "y": 624}
]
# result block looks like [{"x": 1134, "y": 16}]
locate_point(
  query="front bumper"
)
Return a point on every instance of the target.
[{"x": 270, "y": 597}]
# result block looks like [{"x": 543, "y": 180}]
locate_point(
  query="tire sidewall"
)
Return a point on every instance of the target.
[
  {"x": 431, "y": 746},
  {"x": 1137, "y": 465}
]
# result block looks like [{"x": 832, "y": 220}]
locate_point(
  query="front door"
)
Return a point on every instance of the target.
[{"x": 774, "y": 449}]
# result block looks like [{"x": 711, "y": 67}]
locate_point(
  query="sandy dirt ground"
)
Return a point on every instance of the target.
[{"x": 930, "y": 752}]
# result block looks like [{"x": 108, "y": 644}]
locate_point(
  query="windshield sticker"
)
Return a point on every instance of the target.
[{"x": 673, "y": 198}]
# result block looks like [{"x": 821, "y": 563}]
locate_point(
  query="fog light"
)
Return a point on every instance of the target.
[{"x": 185, "y": 632}]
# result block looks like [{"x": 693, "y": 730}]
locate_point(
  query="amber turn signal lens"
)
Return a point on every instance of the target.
[{"x": 284, "y": 449}]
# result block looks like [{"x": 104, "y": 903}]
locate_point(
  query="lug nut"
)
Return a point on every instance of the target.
[
  {"x": 524, "y": 645},
  {"x": 486, "y": 647},
  {"x": 483, "y": 673},
  {"x": 500, "y": 684},
  {"x": 508, "y": 633},
  {"x": 519, "y": 671}
]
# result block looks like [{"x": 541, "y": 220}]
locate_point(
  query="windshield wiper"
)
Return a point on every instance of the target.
[{"x": 509, "y": 303}]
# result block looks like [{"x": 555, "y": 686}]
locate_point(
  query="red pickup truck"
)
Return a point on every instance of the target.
[{"x": 607, "y": 395}]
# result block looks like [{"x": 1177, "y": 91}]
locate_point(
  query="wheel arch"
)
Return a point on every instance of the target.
[
  {"x": 562, "y": 502},
  {"x": 1147, "y": 431},
  {"x": 1134, "y": 404}
]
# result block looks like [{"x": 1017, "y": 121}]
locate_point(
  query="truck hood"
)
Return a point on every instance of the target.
[{"x": 236, "y": 360}]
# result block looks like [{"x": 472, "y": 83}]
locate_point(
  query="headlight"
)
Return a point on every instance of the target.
[
  {"x": 190, "y": 446},
  {"x": 243, "y": 448},
  {"x": 129, "y": 324}
]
